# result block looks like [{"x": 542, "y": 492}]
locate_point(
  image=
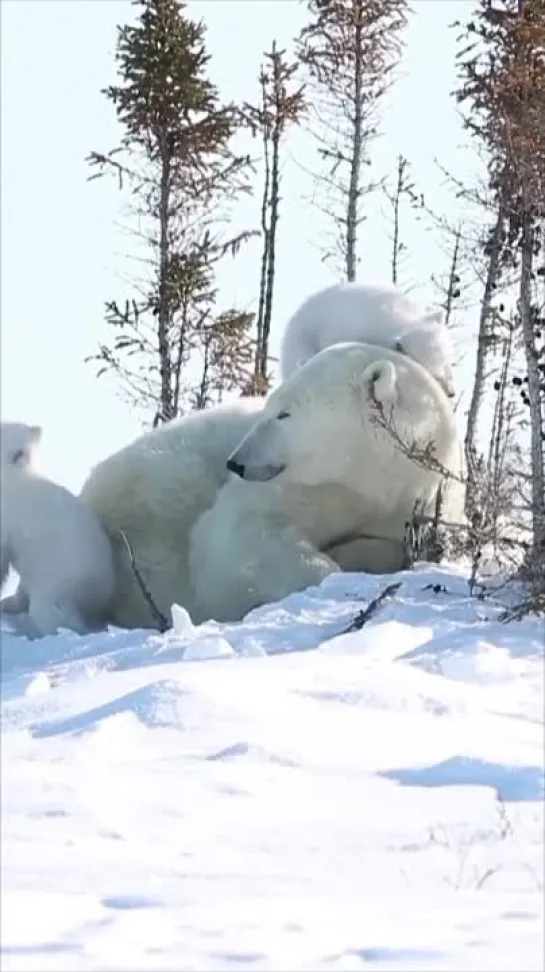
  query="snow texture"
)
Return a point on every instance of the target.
[{"x": 278, "y": 795}]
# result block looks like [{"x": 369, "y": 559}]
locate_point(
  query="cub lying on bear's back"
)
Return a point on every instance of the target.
[{"x": 371, "y": 314}]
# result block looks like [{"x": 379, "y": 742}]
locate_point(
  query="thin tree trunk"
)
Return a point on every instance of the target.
[
  {"x": 273, "y": 223},
  {"x": 477, "y": 394},
  {"x": 259, "y": 350},
  {"x": 164, "y": 302},
  {"x": 496, "y": 495},
  {"x": 453, "y": 277},
  {"x": 179, "y": 362},
  {"x": 397, "y": 198},
  {"x": 200, "y": 402},
  {"x": 357, "y": 146},
  {"x": 534, "y": 396},
  {"x": 497, "y": 442}
]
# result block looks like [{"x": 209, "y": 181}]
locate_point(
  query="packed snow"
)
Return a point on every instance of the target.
[{"x": 278, "y": 794}]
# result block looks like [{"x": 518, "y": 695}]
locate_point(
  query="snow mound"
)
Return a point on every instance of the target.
[{"x": 280, "y": 793}]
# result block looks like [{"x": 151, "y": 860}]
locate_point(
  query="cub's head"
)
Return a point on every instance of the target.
[
  {"x": 321, "y": 424},
  {"x": 19, "y": 445},
  {"x": 429, "y": 343}
]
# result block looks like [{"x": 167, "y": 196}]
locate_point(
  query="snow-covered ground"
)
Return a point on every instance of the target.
[{"x": 276, "y": 794}]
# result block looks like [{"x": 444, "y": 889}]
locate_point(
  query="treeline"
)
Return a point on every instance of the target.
[{"x": 175, "y": 347}]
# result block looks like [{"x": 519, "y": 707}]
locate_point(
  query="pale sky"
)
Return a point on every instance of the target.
[{"x": 63, "y": 252}]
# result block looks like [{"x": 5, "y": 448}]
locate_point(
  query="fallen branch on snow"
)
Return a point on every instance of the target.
[
  {"x": 158, "y": 615},
  {"x": 364, "y": 616}
]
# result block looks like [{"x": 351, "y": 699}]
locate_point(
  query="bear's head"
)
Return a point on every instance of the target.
[
  {"x": 19, "y": 445},
  {"x": 429, "y": 343},
  {"x": 344, "y": 412}
]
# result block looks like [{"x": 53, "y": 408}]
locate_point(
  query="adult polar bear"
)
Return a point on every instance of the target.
[
  {"x": 370, "y": 313},
  {"x": 311, "y": 466}
]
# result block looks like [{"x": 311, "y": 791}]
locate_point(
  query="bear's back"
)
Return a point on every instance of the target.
[{"x": 344, "y": 312}]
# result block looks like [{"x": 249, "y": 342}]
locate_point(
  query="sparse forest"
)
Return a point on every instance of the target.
[{"x": 186, "y": 159}]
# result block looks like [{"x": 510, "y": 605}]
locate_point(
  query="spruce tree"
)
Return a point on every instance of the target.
[
  {"x": 176, "y": 157},
  {"x": 502, "y": 69}
]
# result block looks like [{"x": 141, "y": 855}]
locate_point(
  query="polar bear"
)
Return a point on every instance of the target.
[
  {"x": 52, "y": 540},
  {"x": 243, "y": 504},
  {"x": 373, "y": 314},
  {"x": 150, "y": 493}
]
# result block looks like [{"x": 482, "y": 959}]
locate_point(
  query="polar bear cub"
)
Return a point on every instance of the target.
[
  {"x": 371, "y": 314},
  {"x": 54, "y": 542}
]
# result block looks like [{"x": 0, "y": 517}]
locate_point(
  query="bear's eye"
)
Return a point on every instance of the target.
[
  {"x": 283, "y": 415},
  {"x": 17, "y": 456},
  {"x": 399, "y": 347}
]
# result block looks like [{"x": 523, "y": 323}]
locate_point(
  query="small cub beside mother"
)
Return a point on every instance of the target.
[{"x": 241, "y": 505}]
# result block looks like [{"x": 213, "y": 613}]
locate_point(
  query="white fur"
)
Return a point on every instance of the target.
[
  {"x": 372, "y": 314},
  {"x": 154, "y": 490},
  {"x": 317, "y": 470},
  {"x": 53, "y": 541},
  {"x": 20, "y": 445}
]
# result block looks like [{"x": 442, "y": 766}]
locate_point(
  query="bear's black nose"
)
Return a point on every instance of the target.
[{"x": 235, "y": 467}]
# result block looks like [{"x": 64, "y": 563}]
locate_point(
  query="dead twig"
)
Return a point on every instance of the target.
[
  {"x": 158, "y": 616},
  {"x": 364, "y": 616},
  {"x": 531, "y": 605}
]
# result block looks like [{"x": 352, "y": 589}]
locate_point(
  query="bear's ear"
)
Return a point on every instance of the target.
[
  {"x": 380, "y": 380},
  {"x": 19, "y": 457},
  {"x": 434, "y": 319},
  {"x": 23, "y": 455},
  {"x": 449, "y": 383}
]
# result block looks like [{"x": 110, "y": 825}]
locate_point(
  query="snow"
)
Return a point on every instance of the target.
[{"x": 276, "y": 794}]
